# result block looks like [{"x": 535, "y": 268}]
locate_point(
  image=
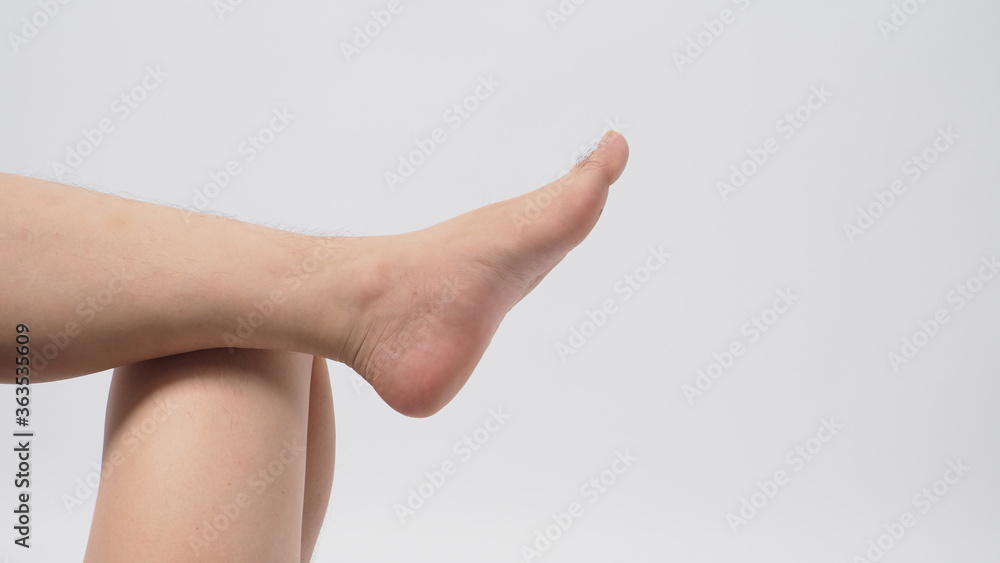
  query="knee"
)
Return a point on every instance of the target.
[{"x": 235, "y": 371}]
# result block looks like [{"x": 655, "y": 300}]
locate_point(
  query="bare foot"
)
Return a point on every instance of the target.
[{"x": 440, "y": 293}]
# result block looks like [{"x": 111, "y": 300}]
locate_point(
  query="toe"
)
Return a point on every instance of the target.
[
  {"x": 607, "y": 162},
  {"x": 572, "y": 205}
]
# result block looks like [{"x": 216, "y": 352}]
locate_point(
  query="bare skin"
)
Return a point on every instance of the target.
[
  {"x": 215, "y": 457},
  {"x": 105, "y": 282},
  {"x": 320, "y": 456}
]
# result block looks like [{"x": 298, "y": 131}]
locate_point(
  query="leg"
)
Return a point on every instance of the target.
[
  {"x": 205, "y": 458},
  {"x": 104, "y": 281},
  {"x": 320, "y": 449}
]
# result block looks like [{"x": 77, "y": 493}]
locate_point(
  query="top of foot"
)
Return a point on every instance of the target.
[{"x": 440, "y": 293}]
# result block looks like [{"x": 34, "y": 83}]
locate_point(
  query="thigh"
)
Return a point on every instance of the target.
[{"x": 205, "y": 459}]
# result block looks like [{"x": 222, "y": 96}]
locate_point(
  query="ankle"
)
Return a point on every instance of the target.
[{"x": 318, "y": 293}]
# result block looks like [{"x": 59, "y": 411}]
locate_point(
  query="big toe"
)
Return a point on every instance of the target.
[
  {"x": 607, "y": 162},
  {"x": 561, "y": 214}
]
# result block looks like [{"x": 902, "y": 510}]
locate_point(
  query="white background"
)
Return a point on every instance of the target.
[{"x": 826, "y": 357}]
